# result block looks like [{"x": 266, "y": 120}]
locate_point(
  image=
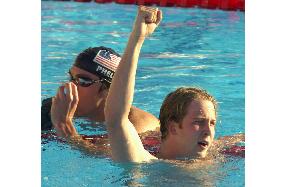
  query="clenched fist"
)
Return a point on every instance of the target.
[{"x": 146, "y": 22}]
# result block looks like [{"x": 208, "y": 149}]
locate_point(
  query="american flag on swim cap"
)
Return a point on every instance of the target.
[{"x": 108, "y": 60}]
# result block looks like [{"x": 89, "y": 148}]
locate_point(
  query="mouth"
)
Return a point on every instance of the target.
[{"x": 203, "y": 144}]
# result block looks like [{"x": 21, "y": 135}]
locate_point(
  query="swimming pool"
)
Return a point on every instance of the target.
[{"x": 192, "y": 47}]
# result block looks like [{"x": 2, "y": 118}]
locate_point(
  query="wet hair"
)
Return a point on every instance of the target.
[
  {"x": 86, "y": 60},
  {"x": 174, "y": 107}
]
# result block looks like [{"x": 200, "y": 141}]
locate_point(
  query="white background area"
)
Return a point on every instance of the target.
[{"x": 20, "y": 93}]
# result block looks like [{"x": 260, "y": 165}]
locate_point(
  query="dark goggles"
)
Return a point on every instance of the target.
[{"x": 83, "y": 81}]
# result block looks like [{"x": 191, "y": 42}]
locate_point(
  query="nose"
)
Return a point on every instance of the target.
[{"x": 206, "y": 128}]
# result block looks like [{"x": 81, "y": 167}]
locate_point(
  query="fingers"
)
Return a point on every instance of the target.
[
  {"x": 53, "y": 100},
  {"x": 146, "y": 8},
  {"x": 152, "y": 13},
  {"x": 159, "y": 17},
  {"x": 67, "y": 92},
  {"x": 148, "y": 13},
  {"x": 60, "y": 92},
  {"x": 75, "y": 95}
]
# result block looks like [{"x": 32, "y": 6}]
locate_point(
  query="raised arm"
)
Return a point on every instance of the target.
[{"x": 124, "y": 140}]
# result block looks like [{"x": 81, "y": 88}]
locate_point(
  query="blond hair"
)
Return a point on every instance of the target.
[{"x": 174, "y": 107}]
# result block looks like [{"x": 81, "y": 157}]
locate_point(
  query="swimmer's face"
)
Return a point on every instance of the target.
[
  {"x": 89, "y": 97},
  {"x": 197, "y": 130}
]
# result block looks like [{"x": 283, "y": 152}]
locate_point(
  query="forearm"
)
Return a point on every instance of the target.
[
  {"x": 122, "y": 88},
  {"x": 65, "y": 128},
  {"x": 86, "y": 147}
]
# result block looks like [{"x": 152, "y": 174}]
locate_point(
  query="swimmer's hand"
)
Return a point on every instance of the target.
[
  {"x": 63, "y": 107},
  {"x": 146, "y": 21}
]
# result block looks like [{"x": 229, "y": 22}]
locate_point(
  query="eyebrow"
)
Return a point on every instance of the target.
[
  {"x": 203, "y": 118},
  {"x": 81, "y": 76}
]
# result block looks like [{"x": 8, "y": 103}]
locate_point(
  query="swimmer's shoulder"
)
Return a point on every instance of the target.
[
  {"x": 231, "y": 139},
  {"x": 232, "y": 144},
  {"x": 142, "y": 120}
]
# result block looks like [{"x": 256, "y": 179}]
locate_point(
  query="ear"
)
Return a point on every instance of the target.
[{"x": 173, "y": 128}]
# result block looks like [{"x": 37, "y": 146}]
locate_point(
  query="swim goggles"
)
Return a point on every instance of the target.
[{"x": 82, "y": 81}]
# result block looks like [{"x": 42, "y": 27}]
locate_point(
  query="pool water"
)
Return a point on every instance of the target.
[{"x": 191, "y": 47}]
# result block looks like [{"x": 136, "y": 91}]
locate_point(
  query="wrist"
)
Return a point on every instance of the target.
[
  {"x": 137, "y": 37},
  {"x": 75, "y": 138},
  {"x": 69, "y": 120},
  {"x": 57, "y": 122}
]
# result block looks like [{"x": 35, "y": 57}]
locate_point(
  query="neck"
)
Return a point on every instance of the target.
[
  {"x": 170, "y": 149},
  {"x": 96, "y": 114},
  {"x": 167, "y": 150}
]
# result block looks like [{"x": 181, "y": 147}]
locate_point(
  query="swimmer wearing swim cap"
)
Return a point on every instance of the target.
[
  {"x": 101, "y": 61},
  {"x": 85, "y": 94}
]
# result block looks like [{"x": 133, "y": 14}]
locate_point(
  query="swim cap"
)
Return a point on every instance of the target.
[{"x": 101, "y": 61}]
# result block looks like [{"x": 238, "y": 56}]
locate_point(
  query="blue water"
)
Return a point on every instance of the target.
[{"x": 191, "y": 47}]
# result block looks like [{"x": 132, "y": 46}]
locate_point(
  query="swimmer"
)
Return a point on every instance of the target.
[
  {"x": 85, "y": 95},
  {"x": 187, "y": 115}
]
